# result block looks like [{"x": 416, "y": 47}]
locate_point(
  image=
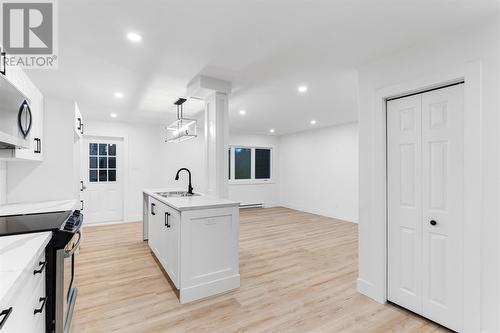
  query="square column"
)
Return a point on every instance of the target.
[{"x": 215, "y": 92}]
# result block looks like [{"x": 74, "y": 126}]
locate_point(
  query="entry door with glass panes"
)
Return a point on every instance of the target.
[{"x": 102, "y": 168}]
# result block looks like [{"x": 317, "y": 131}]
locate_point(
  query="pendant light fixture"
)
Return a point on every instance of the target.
[{"x": 182, "y": 129}]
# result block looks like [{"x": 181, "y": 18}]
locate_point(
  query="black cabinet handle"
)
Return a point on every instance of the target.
[
  {"x": 40, "y": 310},
  {"x": 5, "y": 314},
  {"x": 79, "y": 124},
  {"x": 42, "y": 267},
  {"x": 433, "y": 222},
  {"x": 81, "y": 202},
  {"x": 2, "y": 71},
  {"x": 153, "y": 209},
  {"x": 167, "y": 220},
  {"x": 38, "y": 149}
]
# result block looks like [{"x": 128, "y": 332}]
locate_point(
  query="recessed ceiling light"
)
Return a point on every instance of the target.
[
  {"x": 118, "y": 94},
  {"x": 302, "y": 89},
  {"x": 134, "y": 37},
  {"x": 271, "y": 130},
  {"x": 313, "y": 122},
  {"x": 113, "y": 115},
  {"x": 243, "y": 112}
]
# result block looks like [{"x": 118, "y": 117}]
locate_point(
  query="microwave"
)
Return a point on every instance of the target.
[{"x": 15, "y": 116}]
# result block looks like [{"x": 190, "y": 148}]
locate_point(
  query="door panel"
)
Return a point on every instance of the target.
[
  {"x": 404, "y": 202},
  {"x": 102, "y": 170},
  {"x": 442, "y": 243}
]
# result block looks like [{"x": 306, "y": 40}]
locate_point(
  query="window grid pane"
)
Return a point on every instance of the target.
[
  {"x": 262, "y": 163},
  {"x": 242, "y": 163}
]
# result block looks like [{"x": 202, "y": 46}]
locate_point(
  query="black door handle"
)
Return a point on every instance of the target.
[
  {"x": 40, "y": 310},
  {"x": 153, "y": 209},
  {"x": 5, "y": 314},
  {"x": 167, "y": 220},
  {"x": 433, "y": 222},
  {"x": 42, "y": 267}
]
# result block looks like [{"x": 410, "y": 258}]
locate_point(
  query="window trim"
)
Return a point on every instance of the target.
[{"x": 252, "y": 180}]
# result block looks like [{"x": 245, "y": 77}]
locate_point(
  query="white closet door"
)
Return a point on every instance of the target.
[
  {"x": 442, "y": 147},
  {"x": 405, "y": 202},
  {"x": 425, "y": 204}
]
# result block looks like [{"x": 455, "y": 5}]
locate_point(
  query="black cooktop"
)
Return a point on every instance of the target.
[{"x": 21, "y": 224}]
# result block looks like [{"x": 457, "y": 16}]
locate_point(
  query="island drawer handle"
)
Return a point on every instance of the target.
[
  {"x": 167, "y": 220},
  {"x": 42, "y": 267},
  {"x": 5, "y": 314},
  {"x": 44, "y": 300}
]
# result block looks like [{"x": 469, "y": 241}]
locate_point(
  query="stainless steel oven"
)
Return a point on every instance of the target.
[{"x": 66, "y": 291}]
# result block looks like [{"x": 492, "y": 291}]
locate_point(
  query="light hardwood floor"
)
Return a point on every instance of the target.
[{"x": 298, "y": 274}]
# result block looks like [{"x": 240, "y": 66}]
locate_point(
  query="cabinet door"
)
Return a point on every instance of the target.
[
  {"x": 78, "y": 126},
  {"x": 35, "y": 136},
  {"x": 172, "y": 245},
  {"x": 154, "y": 210}
]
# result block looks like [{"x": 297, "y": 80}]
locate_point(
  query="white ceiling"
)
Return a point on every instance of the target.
[{"x": 266, "y": 48}]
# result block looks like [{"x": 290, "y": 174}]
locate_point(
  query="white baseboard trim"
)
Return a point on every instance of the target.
[
  {"x": 317, "y": 212},
  {"x": 209, "y": 289},
  {"x": 366, "y": 288}
]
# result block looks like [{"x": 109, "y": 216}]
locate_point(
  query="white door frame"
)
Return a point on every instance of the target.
[
  {"x": 124, "y": 167},
  {"x": 470, "y": 73}
]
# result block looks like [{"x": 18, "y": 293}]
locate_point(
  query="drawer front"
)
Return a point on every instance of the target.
[{"x": 29, "y": 297}]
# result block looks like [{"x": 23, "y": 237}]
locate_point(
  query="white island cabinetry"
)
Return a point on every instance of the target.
[{"x": 196, "y": 241}]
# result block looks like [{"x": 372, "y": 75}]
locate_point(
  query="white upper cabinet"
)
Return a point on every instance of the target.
[
  {"x": 79, "y": 126},
  {"x": 35, "y": 136}
]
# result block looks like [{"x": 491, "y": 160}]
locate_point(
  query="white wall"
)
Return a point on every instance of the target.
[
  {"x": 319, "y": 171},
  {"x": 150, "y": 162},
  {"x": 51, "y": 179},
  {"x": 267, "y": 193},
  {"x": 3, "y": 182},
  {"x": 445, "y": 53}
]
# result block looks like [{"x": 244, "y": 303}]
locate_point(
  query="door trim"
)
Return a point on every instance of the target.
[{"x": 470, "y": 73}]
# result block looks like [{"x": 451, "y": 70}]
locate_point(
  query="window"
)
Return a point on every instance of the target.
[
  {"x": 262, "y": 163},
  {"x": 249, "y": 164},
  {"x": 102, "y": 162}
]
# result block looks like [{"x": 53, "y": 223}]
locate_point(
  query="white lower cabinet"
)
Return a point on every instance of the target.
[
  {"x": 197, "y": 248},
  {"x": 25, "y": 309}
]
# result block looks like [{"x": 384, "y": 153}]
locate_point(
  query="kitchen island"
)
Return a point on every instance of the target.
[{"x": 195, "y": 239}]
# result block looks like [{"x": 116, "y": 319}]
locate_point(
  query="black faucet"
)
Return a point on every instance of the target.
[{"x": 190, "y": 187}]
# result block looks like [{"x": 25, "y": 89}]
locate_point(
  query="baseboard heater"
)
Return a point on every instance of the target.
[{"x": 248, "y": 206}]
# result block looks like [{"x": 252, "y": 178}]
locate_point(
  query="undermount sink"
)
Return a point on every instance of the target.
[{"x": 177, "y": 194}]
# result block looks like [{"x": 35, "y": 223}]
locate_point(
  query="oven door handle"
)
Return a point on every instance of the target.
[{"x": 69, "y": 253}]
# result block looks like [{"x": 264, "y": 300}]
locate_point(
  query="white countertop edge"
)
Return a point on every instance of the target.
[
  {"x": 38, "y": 207},
  {"x": 190, "y": 203},
  {"x": 11, "y": 285}
]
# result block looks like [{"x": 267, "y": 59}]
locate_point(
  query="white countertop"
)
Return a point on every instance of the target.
[
  {"x": 190, "y": 203},
  {"x": 17, "y": 253},
  {"x": 37, "y": 207}
]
